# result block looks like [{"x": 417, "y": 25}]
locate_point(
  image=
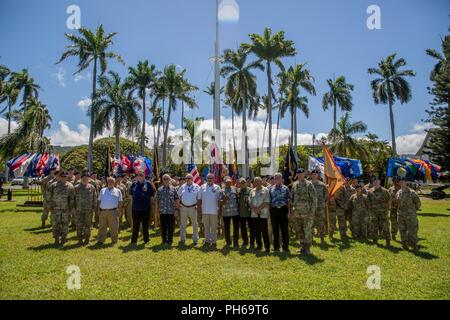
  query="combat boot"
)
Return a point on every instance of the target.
[
  {"x": 43, "y": 225},
  {"x": 416, "y": 248},
  {"x": 63, "y": 239},
  {"x": 80, "y": 241},
  {"x": 394, "y": 238},
  {"x": 322, "y": 240},
  {"x": 57, "y": 241},
  {"x": 86, "y": 241},
  {"x": 388, "y": 243}
]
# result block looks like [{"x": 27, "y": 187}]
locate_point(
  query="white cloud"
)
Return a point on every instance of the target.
[
  {"x": 60, "y": 76},
  {"x": 64, "y": 136},
  {"x": 410, "y": 143},
  {"x": 4, "y": 126},
  {"x": 84, "y": 103},
  {"x": 79, "y": 77}
]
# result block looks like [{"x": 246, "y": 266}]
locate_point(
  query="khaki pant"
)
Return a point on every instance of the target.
[
  {"x": 108, "y": 219},
  {"x": 190, "y": 213},
  {"x": 210, "y": 223}
]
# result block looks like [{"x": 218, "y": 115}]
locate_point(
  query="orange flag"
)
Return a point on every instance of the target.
[{"x": 334, "y": 176}]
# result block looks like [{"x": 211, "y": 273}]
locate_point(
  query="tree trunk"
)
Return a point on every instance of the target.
[
  {"x": 245, "y": 143},
  {"x": 295, "y": 129},
  {"x": 232, "y": 129},
  {"x": 334, "y": 115},
  {"x": 269, "y": 104},
  {"x": 143, "y": 124},
  {"x": 117, "y": 133},
  {"x": 391, "y": 116},
  {"x": 182, "y": 119},
  {"x": 91, "y": 130},
  {"x": 166, "y": 134},
  {"x": 9, "y": 132},
  {"x": 278, "y": 119}
]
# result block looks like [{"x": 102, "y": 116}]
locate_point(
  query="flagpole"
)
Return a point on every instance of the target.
[{"x": 217, "y": 81}]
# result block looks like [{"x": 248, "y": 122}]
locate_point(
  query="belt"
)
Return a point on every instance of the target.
[
  {"x": 188, "y": 206},
  {"x": 108, "y": 209},
  {"x": 279, "y": 207}
]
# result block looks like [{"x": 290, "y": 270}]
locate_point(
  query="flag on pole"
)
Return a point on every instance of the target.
[
  {"x": 335, "y": 178},
  {"x": 22, "y": 169},
  {"x": 107, "y": 164},
  {"x": 192, "y": 169},
  {"x": 290, "y": 166},
  {"x": 232, "y": 166}
]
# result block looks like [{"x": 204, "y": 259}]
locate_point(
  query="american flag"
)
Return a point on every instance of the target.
[{"x": 192, "y": 168}]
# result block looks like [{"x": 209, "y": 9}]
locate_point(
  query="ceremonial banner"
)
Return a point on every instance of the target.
[{"x": 335, "y": 178}]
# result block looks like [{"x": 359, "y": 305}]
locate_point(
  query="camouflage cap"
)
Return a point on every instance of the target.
[
  {"x": 315, "y": 171},
  {"x": 300, "y": 170},
  {"x": 63, "y": 174},
  {"x": 242, "y": 180}
]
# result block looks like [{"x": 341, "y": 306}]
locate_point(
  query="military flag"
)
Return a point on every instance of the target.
[{"x": 335, "y": 178}]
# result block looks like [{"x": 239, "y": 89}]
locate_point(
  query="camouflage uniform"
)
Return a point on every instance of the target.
[
  {"x": 62, "y": 199},
  {"x": 331, "y": 217},
  {"x": 341, "y": 201},
  {"x": 349, "y": 191},
  {"x": 85, "y": 203},
  {"x": 359, "y": 206},
  {"x": 304, "y": 202},
  {"x": 408, "y": 225},
  {"x": 128, "y": 204},
  {"x": 98, "y": 186},
  {"x": 45, "y": 185},
  {"x": 320, "y": 217},
  {"x": 379, "y": 200},
  {"x": 393, "y": 212}
]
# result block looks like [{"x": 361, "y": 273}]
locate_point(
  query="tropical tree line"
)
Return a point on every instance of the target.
[{"x": 121, "y": 104}]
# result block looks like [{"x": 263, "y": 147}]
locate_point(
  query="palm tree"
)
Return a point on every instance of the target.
[
  {"x": 343, "y": 142},
  {"x": 240, "y": 90},
  {"x": 157, "y": 122},
  {"x": 142, "y": 79},
  {"x": 282, "y": 87},
  {"x": 172, "y": 86},
  {"x": 391, "y": 86},
  {"x": 270, "y": 48},
  {"x": 91, "y": 47},
  {"x": 186, "y": 89},
  {"x": 298, "y": 77},
  {"x": 339, "y": 94},
  {"x": 39, "y": 116},
  {"x": 191, "y": 126},
  {"x": 4, "y": 73},
  {"x": 116, "y": 106},
  {"x": 23, "y": 82}
]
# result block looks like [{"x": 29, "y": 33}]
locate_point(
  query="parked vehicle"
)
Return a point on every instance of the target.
[{"x": 17, "y": 181}]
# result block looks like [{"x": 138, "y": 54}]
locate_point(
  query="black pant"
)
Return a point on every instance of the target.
[
  {"x": 140, "y": 217},
  {"x": 227, "y": 223},
  {"x": 279, "y": 219},
  {"x": 167, "y": 227},
  {"x": 261, "y": 229},
  {"x": 244, "y": 221}
]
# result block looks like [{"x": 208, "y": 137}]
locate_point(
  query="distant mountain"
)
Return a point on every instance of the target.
[{"x": 61, "y": 150}]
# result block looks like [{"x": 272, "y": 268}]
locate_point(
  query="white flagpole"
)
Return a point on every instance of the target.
[{"x": 217, "y": 80}]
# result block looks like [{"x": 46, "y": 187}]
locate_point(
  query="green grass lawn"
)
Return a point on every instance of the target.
[{"x": 31, "y": 267}]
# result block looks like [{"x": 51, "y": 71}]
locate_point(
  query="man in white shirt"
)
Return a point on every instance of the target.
[
  {"x": 208, "y": 198},
  {"x": 188, "y": 208},
  {"x": 109, "y": 205}
]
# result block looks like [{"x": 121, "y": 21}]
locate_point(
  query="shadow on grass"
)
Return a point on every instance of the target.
[
  {"x": 310, "y": 259},
  {"x": 434, "y": 215},
  {"x": 132, "y": 247},
  {"x": 43, "y": 247},
  {"x": 161, "y": 247}
]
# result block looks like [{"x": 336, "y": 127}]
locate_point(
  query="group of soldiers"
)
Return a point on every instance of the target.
[{"x": 370, "y": 211}]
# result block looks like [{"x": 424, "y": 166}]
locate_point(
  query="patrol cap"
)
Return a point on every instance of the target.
[
  {"x": 360, "y": 185},
  {"x": 140, "y": 174},
  {"x": 54, "y": 168},
  {"x": 402, "y": 179},
  {"x": 71, "y": 169},
  {"x": 76, "y": 172},
  {"x": 63, "y": 173},
  {"x": 84, "y": 174},
  {"x": 347, "y": 179},
  {"x": 242, "y": 180},
  {"x": 300, "y": 170},
  {"x": 315, "y": 171},
  {"x": 375, "y": 178},
  {"x": 227, "y": 179}
]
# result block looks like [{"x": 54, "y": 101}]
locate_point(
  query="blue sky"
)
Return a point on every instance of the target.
[{"x": 330, "y": 35}]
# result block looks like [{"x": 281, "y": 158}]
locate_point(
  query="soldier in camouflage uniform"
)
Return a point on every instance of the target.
[
  {"x": 349, "y": 191},
  {"x": 379, "y": 201},
  {"x": 85, "y": 205},
  {"x": 98, "y": 186},
  {"x": 62, "y": 199},
  {"x": 127, "y": 205},
  {"x": 408, "y": 203},
  {"x": 359, "y": 206},
  {"x": 119, "y": 185},
  {"x": 304, "y": 203},
  {"x": 320, "y": 218},
  {"x": 45, "y": 184},
  {"x": 394, "y": 207},
  {"x": 341, "y": 198}
]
